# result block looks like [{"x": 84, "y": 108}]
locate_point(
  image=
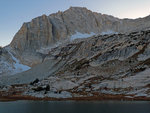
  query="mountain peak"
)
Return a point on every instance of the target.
[
  {"x": 77, "y": 8},
  {"x": 46, "y": 31},
  {"x": 112, "y": 59}
]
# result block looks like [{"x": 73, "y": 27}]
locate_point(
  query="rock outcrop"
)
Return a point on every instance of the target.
[
  {"x": 46, "y": 31},
  {"x": 103, "y": 64},
  {"x": 9, "y": 64},
  {"x": 116, "y": 64}
]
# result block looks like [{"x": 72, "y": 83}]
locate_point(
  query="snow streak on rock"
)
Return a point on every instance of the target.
[
  {"x": 17, "y": 66},
  {"x": 108, "y": 32},
  {"x": 81, "y": 35}
]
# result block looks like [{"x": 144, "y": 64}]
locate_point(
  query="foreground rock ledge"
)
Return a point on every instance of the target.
[
  {"x": 100, "y": 67},
  {"x": 92, "y": 98}
]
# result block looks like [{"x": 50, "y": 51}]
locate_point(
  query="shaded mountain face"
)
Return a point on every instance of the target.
[
  {"x": 114, "y": 60},
  {"x": 35, "y": 39},
  {"x": 103, "y": 64},
  {"x": 47, "y": 31},
  {"x": 9, "y": 64}
]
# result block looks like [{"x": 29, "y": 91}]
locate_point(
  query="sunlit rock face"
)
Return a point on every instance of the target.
[
  {"x": 114, "y": 64},
  {"x": 46, "y": 31},
  {"x": 35, "y": 39},
  {"x": 78, "y": 53}
]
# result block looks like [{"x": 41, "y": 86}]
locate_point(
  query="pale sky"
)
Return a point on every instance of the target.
[{"x": 14, "y": 12}]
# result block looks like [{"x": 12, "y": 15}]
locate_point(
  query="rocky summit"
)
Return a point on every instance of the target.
[
  {"x": 47, "y": 31},
  {"x": 78, "y": 54}
]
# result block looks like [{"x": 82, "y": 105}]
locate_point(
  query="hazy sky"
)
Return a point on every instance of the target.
[{"x": 14, "y": 12}]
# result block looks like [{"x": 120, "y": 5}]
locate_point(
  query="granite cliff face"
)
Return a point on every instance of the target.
[
  {"x": 103, "y": 65},
  {"x": 114, "y": 62},
  {"x": 46, "y": 31}
]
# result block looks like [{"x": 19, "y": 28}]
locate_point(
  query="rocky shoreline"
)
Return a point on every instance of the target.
[
  {"x": 55, "y": 58},
  {"x": 15, "y": 95},
  {"x": 92, "y": 98},
  {"x": 102, "y": 67}
]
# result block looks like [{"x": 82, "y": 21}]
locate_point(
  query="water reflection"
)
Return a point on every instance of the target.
[{"x": 75, "y": 107}]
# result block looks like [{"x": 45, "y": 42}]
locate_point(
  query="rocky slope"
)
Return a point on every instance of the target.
[
  {"x": 9, "y": 64},
  {"x": 46, "y": 31},
  {"x": 114, "y": 61},
  {"x": 102, "y": 65}
]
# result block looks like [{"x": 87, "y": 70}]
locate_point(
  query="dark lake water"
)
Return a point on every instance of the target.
[{"x": 75, "y": 107}]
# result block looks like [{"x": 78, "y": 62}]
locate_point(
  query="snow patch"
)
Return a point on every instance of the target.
[
  {"x": 81, "y": 35},
  {"x": 109, "y": 32},
  {"x": 17, "y": 67}
]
